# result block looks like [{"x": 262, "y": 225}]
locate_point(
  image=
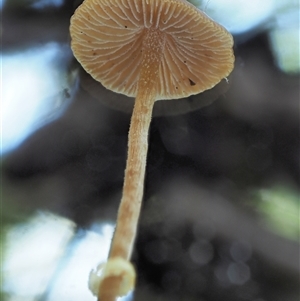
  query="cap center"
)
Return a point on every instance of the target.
[{"x": 152, "y": 52}]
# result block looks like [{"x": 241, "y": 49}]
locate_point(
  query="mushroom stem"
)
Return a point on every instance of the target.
[{"x": 129, "y": 210}]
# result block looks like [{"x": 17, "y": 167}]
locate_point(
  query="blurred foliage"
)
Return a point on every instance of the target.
[
  {"x": 17, "y": 4},
  {"x": 280, "y": 208},
  {"x": 9, "y": 216},
  {"x": 197, "y": 3},
  {"x": 28, "y": 4},
  {"x": 10, "y": 213}
]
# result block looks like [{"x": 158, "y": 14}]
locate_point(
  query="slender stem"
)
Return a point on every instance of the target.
[
  {"x": 137, "y": 147},
  {"x": 129, "y": 210},
  {"x": 134, "y": 177}
]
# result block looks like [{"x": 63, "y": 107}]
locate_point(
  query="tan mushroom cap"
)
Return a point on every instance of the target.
[{"x": 107, "y": 39}]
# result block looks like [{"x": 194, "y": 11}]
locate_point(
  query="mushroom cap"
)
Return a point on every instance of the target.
[{"x": 107, "y": 39}]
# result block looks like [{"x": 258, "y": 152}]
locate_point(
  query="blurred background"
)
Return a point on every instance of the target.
[{"x": 220, "y": 218}]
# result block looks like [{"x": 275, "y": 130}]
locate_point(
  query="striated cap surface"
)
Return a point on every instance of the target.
[{"x": 107, "y": 39}]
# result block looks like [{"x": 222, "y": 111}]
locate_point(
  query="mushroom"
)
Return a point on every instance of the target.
[{"x": 150, "y": 50}]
